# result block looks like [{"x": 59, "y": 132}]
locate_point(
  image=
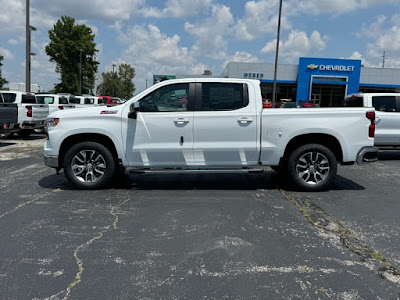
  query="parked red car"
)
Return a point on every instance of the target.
[
  {"x": 107, "y": 100},
  {"x": 306, "y": 104}
]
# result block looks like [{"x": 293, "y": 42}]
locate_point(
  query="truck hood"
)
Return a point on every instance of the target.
[{"x": 87, "y": 112}]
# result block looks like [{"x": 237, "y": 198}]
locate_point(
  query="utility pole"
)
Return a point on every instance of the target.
[
  {"x": 276, "y": 55},
  {"x": 113, "y": 81},
  {"x": 384, "y": 56},
  {"x": 80, "y": 71},
  {"x": 28, "y": 51}
]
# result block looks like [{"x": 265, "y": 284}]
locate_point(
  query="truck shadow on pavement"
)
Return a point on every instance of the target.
[
  {"x": 5, "y": 144},
  {"x": 268, "y": 181}
]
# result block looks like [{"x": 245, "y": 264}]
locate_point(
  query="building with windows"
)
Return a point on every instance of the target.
[{"x": 324, "y": 81}]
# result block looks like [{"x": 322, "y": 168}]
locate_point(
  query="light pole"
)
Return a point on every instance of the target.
[
  {"x": 113, "y": 81},
  {"x": 276, "y": 55},
  {"x": 80, "y": 71},
  {"x": 28, "y": 53}
]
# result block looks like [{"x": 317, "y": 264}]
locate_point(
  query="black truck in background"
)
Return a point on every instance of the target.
[{"x": 8, "y": 118}]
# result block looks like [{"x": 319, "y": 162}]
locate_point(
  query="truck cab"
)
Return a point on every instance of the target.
[{"x": 387, "y": 111}]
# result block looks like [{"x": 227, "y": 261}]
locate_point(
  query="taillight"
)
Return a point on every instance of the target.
[
  {"x": 371, "y": 116},
  {"x": 61, "y": 107},
  {"x": 29, "y": 112}
]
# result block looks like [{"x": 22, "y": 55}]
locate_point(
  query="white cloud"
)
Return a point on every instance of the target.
[
  {"x": 210, "y": 34},
  {"x": 151, "y": 52},
  {"x": 298, "y": 44},
  {"x": 316, "y": 7},
  {"x": 90, "y": 9},
  {"x": 241, "y": 57},
  {"x": 177, "y": 9},
  {"x": 384, "y": 36},
  {"x": 364, "y": 61},
  {"x": 13, "y": 42},
  {"x": 261, "y": 17},
  {"x": 7, "y": 54}
]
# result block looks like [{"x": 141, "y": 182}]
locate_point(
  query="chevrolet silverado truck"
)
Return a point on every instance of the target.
[
  {"x": 31, "y": 115},
  {"x": 55, "y": 102},
  {"x": 387, "y": 110},
  {"x": 222, "y": 128},
  {"x": 8, "y": 118}
]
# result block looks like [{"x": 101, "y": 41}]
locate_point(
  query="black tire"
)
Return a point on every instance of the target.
[
  {"x": 312, "y": 167},
  {"x": 24, "y": 133},
  {"x": 98, "y": 166},
  {"x": 6, "y": 135}
]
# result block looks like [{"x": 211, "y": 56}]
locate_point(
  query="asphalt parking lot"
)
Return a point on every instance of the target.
[{"x": 197, "y": 236}]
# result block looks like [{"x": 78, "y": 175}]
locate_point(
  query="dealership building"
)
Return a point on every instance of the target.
[{"x": 322, "y": 80}]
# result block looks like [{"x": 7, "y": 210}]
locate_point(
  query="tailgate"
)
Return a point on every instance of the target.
[
  {"x": 8, "y": 113},
  {"x": 40, "y": 111}
]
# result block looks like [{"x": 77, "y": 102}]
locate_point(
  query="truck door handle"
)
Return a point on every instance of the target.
[
  {"x": 181, "y": 121},
  {"x": 244, "y": 120}
]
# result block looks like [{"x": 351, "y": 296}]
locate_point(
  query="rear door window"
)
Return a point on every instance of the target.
[
  {"x": 384, "y": 103},
  {"x": 223, "y": 96}
]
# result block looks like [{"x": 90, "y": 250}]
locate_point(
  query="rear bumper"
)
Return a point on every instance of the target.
[
  {"x": 367, "y": 154},
  {"x": 32, "y": 125},
  {"x": 9, "y": 127}
]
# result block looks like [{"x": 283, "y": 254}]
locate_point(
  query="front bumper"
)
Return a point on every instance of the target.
[
  {"x": 51, "y": 161},
  {"x": 367, "y": 154}
]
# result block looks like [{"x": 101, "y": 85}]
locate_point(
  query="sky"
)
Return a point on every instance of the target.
[{"x": 190, "y": 36}]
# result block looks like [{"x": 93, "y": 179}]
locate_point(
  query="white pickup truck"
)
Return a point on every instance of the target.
[
  {"x": 387, "y": 110},
  {"x": 207, "y": 126},
  {"x": 87, "y": 101},
  {"x": 54, "y": 101},
  {"x": 31, "y": 115}
]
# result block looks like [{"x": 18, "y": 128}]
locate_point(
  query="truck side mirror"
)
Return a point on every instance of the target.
[{"x": 135, "y": 107}]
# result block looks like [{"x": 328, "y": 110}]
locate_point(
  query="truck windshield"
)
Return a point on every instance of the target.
[{"x": 9, "y": 97}]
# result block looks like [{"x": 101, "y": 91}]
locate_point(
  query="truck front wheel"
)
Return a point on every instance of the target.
[
  {"x": 89, "y": 165},
  {"x": 312, "y": 167}
]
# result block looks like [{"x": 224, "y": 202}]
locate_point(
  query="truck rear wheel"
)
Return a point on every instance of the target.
[
  {"x": 312, "y": 167},
  {"x": 89, "y": 165}
]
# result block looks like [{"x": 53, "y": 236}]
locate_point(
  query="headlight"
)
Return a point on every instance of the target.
[{"x": 51, "y": 123}]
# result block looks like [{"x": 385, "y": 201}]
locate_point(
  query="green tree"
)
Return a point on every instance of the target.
[
  {"x": 118, "y": 84},
  {"x": 69, "y": 45},
  {"x": 3, "y": 82}
]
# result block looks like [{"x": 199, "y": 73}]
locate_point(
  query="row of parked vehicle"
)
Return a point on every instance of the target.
[{"x": 22, "y": 112}]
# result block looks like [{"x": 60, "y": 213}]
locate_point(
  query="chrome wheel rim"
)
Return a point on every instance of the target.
[
  {"x": 88, "y": 166},
  {"x": 313, "y": 168}
]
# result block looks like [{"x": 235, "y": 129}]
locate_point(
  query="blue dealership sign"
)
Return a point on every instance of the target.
[{"x": 327, "y": 71}]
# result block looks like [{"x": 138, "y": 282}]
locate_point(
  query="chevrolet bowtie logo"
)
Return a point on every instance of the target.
[{"x": 312, "y": 67}]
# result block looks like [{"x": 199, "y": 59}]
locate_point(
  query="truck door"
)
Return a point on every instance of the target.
[
  {"x": 162, "y": 133},
  {"x": 225, "y": 125},
  {"x": 387, "y": 120}
]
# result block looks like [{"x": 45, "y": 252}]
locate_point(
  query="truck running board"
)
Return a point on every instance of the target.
[{"x": 195, "y": 171}]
